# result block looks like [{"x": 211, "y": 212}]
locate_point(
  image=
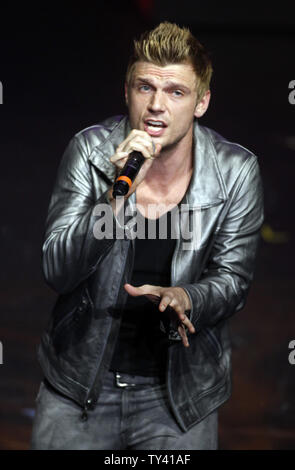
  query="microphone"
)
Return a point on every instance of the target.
[{"x": 128, "y": 174}]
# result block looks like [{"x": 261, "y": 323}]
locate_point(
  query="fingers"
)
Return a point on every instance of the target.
[
  {"x": 165, "y": 301},
  {"x": 142, "y": 142},
  {"x": 139, "y": 141},
  {"x": 189, "y": 325},
  {"x": 176, "y": 303},
  {"x": 182, "y": 317},
  {"x": 183, "y": 336},
  {"x": 158, "y": 148},
  {"x": 167, "y": 297},
  {"x": 119, "y": 158}
]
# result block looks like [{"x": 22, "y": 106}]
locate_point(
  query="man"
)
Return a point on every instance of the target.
[{"x": 137, "y": 351}]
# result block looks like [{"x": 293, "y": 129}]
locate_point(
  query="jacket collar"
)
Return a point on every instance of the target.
[
  {"x": 207, "y": 187},
  {"x": 100, "y": 156}
]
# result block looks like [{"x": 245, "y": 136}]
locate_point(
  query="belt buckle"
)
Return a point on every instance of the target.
[{"x": 122, "y": 384}]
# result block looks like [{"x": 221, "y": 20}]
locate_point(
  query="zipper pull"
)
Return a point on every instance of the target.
[
  {"x": 84, "y": 414},
  {"x": 88, "y": 405}
]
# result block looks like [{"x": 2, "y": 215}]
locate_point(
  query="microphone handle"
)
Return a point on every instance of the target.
[{"x": 128, "y": 174}]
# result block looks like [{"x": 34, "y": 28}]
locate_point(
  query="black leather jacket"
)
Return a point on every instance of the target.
[{"x": 89, "y": 274}]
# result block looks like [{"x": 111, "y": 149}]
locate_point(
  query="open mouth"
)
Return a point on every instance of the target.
[
  {"x": 154, "y": 128},
  {"x": 155, "y": 124}
]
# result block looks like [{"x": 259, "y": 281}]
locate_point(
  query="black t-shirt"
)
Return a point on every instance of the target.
[{"x": 141, "y": 347}]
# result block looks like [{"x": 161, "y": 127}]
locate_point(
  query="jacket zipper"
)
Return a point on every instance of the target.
[{"x": 89, "y": 402}]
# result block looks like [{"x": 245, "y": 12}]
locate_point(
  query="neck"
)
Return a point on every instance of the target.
[{"x": 172, "y": 164}]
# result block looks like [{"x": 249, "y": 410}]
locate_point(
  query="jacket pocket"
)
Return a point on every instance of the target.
[
  {"x": 212, "y": 342},
  {"x": 199, "y": 365},
  {"x": 71, "y": 317}
]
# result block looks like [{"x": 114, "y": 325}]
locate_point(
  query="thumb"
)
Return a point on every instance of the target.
[
  {"x": 141, "y": 290},
  {"x": 134, "y": 291},
  {"x": 158, "y": 150}
]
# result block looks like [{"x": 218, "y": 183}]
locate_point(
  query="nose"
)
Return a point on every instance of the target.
[{"x": 156, "y": 103}]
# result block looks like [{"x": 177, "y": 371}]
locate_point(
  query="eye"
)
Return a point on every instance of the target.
[
  {"x": 144, "y": 88},
  {"x": 177, "y": 93}
]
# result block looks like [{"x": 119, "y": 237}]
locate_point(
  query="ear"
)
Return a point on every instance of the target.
[
  {"x": 202, "y": 105},
  {"x": 126, "y": 93}
]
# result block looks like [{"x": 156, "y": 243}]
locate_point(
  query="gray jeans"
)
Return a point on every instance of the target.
[{"x": 133, "y": 417}]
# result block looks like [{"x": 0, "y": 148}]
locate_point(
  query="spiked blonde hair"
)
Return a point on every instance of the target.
[{"x": 170, "y": 44}]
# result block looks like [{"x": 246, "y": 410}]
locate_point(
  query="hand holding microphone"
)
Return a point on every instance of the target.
[
  {"x": 128, "y": 174},
  {"x": 133, "y": 157}
]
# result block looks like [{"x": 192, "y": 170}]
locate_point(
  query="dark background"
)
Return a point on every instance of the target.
[{"x": 62, "y": 68}]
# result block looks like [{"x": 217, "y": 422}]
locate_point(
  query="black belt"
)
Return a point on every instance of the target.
[{"x": 126, "y": 380}]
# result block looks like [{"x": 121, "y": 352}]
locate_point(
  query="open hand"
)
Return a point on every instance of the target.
[{"x": 174, "y": 297}]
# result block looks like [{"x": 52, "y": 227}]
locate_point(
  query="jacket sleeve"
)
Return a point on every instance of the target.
[
  {"x": 223, "y": 287},
  {"x": 70, "y": 251}
]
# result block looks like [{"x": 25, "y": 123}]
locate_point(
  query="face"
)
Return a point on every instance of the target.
[{"x": 163, "y": 102}]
